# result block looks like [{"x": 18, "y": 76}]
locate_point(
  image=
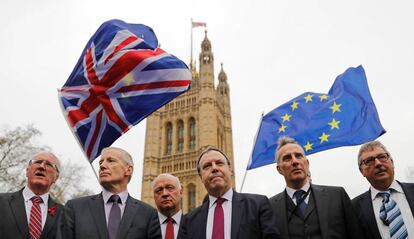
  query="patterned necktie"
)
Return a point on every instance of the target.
[
  {"x": 114, "y": 216},
  {"x": 35, "y": 223},
  {"x": 300, "y": 202},
  {"x": 390, "y": 214},
  {"x": 169, "y": 231},
  {"x": 218, "y": 224}
]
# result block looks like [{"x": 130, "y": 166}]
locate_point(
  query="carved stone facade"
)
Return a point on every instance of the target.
[{"x": 178, "y": 132}]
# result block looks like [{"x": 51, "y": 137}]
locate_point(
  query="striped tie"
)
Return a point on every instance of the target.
[
  {"x": 390, "y": 214},
  {"x": 35, "y": 223}
]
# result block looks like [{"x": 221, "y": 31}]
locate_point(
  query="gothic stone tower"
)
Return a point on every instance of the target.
[{"x": 178, "y": 132}]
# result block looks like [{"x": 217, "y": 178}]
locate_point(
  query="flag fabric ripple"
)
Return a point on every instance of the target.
[
  {"x": 345, "y": 116},
  {"x": 121, "y": 77}
]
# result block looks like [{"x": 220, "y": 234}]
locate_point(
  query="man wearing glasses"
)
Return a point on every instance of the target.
[
  {"x": 31, "y": 212},
  {"x": 386, "y": 209}
]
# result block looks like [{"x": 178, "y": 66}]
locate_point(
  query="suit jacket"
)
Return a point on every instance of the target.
[
  {"x": 85, "y": 218},
  {"x": 251, "y": 218},
  {"x": 14, "y": 222},
  {"x": 180, "y": 226},
  {"x": 335, "y": 214},
  {"x": 365, "y": 211}
]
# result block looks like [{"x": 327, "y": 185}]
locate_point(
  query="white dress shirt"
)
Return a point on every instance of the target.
[
  {"x": 227, "y": 209},
  {"x": 163, "y": 223},
  {"x": 27, "y": 195},
  {"x": 397, "y": 194},
  {"x": 108, "y": 205},
  {"x": 291, "y": 191}
]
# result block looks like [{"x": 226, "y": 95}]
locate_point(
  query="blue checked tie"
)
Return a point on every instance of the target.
[{"x": 390, "y": 214}]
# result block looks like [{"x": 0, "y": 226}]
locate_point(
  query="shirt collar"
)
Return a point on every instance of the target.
[
  {"x": 107, "y": 194},
  {"x": 176, "y": 217},
  {"x": 228, "y": 196},
  {"x": 28, "y": 194},
  {"x": 291, "y": 191},
  {"x": 395, "y": 186}
]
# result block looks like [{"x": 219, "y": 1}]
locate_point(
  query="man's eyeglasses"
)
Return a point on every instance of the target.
[
  {"x": 47, "y": 164},
  {"x": 371, "y": 160}
]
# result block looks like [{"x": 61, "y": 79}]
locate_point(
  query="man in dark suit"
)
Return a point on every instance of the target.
[
  {"x": 167, "y": 196},
  {"x": 31, "y": 212},
  {"x": 112, "y": 213},
  {"x": 377, "y": 166},
  {"x": 226, "y": 213},
  {"x": 307, "y": 210}
]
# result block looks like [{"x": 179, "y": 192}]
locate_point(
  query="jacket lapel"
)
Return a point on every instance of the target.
[
  {"x": 237, "y": 214},
  {"x": 280, "y": 210},
  {"x": 201, "y": 221},
  {"x": 19, "y": 210},
  {"x": 367, "y": 211},
  {"x": 408, "y": 189},
  {"x": 51, "y": 217},
  {"x": 98, "y": 213},
  {"x": 321, "y": 199},
  {"x": 131, "y": 210}
]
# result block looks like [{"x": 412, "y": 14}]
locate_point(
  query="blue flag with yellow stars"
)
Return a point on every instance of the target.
[{"x": 345, "y": 116}]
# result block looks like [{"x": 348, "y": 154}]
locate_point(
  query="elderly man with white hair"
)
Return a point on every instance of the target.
[{"x": 31, "y": 212}]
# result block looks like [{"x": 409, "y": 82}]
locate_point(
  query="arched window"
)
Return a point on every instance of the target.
[
  {"x": 191, "y": 189},
  {"x": 168, "y": 136},
  {"x": 192, "y": 134},
  {"x": 180, "y": 135}
]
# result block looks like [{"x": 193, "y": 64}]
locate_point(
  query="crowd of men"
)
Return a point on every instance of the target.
[{"x": 302, "y": 210}]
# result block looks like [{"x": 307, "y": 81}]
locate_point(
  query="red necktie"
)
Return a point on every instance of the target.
[
  {"x": 35, "y": 223},
  {"x": 169, "y": 231},
  {"x": 218, "y": 224}
]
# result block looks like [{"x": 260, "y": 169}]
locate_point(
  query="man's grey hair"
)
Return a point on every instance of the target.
[
  {"x": 126, "y": 156},
  {"x": 282, "y": 141},
  {"x": 177, "y": 180},
  {"x": 371, "y": 146}
]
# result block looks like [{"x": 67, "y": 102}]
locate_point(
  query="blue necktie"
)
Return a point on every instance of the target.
[
  {"x": 300, "y": 202},
  {"x": 390, "y": 214}
]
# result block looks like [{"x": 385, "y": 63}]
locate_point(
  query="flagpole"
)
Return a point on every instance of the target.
[
  {"x": 191, "y": 43},
  {"x": 250, "y": 160}
]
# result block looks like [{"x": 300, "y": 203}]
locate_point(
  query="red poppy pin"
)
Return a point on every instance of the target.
[{"x": 51, "y": 211}]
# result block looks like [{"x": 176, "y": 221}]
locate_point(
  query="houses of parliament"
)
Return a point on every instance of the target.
[{"x": 180, "y": 130}]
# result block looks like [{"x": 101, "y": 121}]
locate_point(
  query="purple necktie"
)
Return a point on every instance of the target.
[
  {"x": 114, "y": 216},
  {"x": 218, "y": 224}
]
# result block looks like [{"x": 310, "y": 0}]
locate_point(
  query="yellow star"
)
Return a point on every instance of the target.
[
  {"x": 308, "y": 146},
  {"x": 286, "y": 117},
  {"x": 323, "y": 97},
  {"x": 308, "y": 98},
  {"x": 334, "y": 124},
  {"x": 335, "y": 107},
  {"x": 324, "y": 137},
  {"x": 294, "y": 105},
  {"x": 282, "y": 128}
]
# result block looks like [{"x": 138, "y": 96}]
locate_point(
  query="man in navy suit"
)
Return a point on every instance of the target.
[
  {"x": 226, "y": 213},
  {"x": 167, "y": 196},
  {"x": 112, "y": 214},
  {"x": 305, "y": 210},
  {"x": 16, "y": 208},
  {"x": 377, "y": 166}
]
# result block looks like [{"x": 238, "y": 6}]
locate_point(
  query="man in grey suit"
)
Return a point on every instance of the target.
[
  {"x": 31, "y": 212},
  {"x": 112, "y": 213},
  {"x": 306, "y": 210},
  {"x": 226, "y": 213},
  {"x": 386, "y": 210}
]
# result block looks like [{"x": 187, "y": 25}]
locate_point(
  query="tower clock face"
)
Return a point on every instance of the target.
[{"x": 206, "y": 59}]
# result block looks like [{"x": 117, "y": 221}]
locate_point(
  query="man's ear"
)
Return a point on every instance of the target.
[{"x": 278, "y": 169}]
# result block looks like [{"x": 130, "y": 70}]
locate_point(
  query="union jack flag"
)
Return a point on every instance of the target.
[{"x": 120, "y": 78}]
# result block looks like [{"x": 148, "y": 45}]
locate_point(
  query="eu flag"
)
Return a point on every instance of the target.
[{"x": 345, "y": 116}]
